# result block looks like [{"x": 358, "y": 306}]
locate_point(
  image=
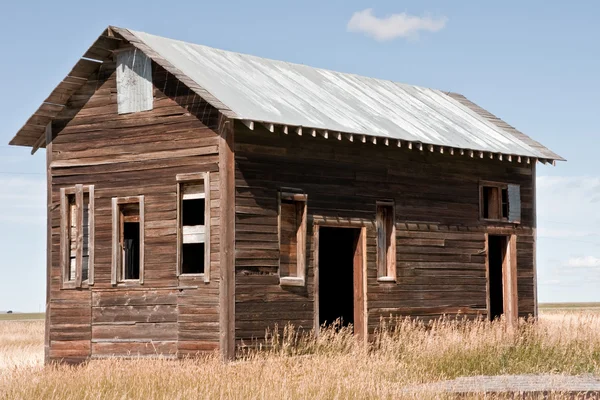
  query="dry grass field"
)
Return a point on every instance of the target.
[{"x": 331, "y": 366}]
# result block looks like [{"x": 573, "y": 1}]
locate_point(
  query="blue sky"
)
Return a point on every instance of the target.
[{"x": 534, "y": 64}]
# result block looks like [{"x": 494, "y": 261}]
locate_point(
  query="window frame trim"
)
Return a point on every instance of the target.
[
  {"x": 116, "y": 269},
  {"x": 65, "y": 244},
  {"x": 181, "y": 180},
  {"x": 391, "y": 271},
  {"x": 295, "y": 195},
  {"x": 501, "y": 186}
]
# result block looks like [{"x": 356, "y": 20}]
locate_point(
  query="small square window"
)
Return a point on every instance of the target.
[{"x": 500, "y": 202}]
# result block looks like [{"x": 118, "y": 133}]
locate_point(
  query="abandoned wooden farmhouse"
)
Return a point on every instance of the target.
[{"x": 197, "y": 197}]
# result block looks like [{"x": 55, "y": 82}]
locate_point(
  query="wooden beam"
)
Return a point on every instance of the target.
[
  {"x": 399, "y": 143},
  {"x": 270, "y": 127},
  {"x": 350, "y": 137},
  {"x": 374, "y": 140},
  {"x": 325, "y": 134},
  {"x": 481, "y": 154},
  {"x": 386, "y": 141},
  {"x": 338, "y": 136},
  {"x": 509, "y": 158},
  {"x": 441, "y": 149},
  {"x": 462, "y": 152},
  {"x": 500, "y": 157},
  {"x": 49, "y": 210},
  {"x": 313, "y": 133},
  {"x": 430, "y": 148},
  {"x": 410, "y": 145},
  {"x": 420, "y": 146},
  {"x": 519, "y": 159},
  {"x": 79, "y": 239},
  {"x": 471, "y": 153},
  {"x": 249, "y": 124},
  {"x": 299, "y": 131},
  {"x": 227, "y": 237},
  {"x": 451, "y": 151},
  {"x": 285, "y": 129}
]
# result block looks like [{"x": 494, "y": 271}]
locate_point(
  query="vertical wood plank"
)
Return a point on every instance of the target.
[
  {"x": 359, "y": 285},
  {"x": 301, "y": 239},
  {"x": 206, "y": 227},
  {"x": 509, "y": 280},
  {"x": 79, "y": 238},
  {"x": 381, "y": 256},
  {"x": 534, "y": 236},
  {"x": 316, "y": 277},
  {"x": 142, "y": 234},
  {"x": 49, "y": 208},
  {"x": 227, "y": 240},
  {"x": 487, "y": 276},
  {"x": 115, "y": 241},
  {"x": 92, "y": 234},
  {"x": 179, "y": 228},
  {"x": 64, "y": 237}
]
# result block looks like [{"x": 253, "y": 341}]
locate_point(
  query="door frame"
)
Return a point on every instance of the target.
[
  {"x": 359, "y": 276},
  {"x": 510, "y": 297}
]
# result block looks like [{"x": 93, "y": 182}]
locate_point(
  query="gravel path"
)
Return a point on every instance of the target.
[{"x": 526, "y": 384}]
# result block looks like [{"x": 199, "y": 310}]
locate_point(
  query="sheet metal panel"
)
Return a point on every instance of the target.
[
  {"x": 283, "y": 93},
  {"x": 134, "y": 82}
]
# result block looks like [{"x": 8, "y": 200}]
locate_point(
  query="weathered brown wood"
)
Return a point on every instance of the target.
[
  {"x": 49, "y": 208},
  {"x": 79, "y": 240},
  {"x": 227, "y": 237},
  {"x": 360, "y": 272}
]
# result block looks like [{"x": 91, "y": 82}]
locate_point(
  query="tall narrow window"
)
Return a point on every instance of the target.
[
  {"x": 193, "y": 220},
  {"x": 77, "y": 235},
  {"x": 386, "y": 241},
  {"x": 128, "y": 239},
  {"x": 292, "y": 238},
  {"x": 500, "y": 202}
]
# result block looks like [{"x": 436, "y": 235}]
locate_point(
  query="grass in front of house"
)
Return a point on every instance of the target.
[{"x": 334, "y": 365}]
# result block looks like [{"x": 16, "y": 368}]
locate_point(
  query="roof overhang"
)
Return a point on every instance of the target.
[{"x": 33, "y": 133}]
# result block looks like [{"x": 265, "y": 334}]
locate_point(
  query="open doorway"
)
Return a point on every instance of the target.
[
  {"x": 496, "y": 254},
  {"x": 340, "y": 274},
  {"x": 502, "y": 285}
]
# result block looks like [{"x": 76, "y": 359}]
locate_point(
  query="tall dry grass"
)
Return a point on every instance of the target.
[{"x": 333, "y": 365}]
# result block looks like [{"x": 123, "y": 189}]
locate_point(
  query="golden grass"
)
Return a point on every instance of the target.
[{"x": 294, "y": 366}]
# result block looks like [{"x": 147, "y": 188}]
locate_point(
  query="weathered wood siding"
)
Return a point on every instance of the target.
[
  {"x": 440, "y": 238},
  {"x": 131, "y": 155}
]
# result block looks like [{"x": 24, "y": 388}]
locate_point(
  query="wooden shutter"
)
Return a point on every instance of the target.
[{"x": 514, "y": 203}]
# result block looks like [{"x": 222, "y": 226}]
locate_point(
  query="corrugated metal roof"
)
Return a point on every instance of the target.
[{"x": 259, "y": 89}]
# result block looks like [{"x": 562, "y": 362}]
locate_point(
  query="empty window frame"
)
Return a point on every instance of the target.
[
  {"x": 77, "y": 235},
  {"x": 292, "y": 238},
  {"x": 500, "y": 202},
  {"x": 193, "y": 222},
  {"x": 127, "y": 240},
  {"x": 386, "y": 241}
]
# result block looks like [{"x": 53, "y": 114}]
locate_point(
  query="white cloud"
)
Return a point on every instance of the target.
[
  {"x": 584, "y": 262},
  {"x": 393, "y": 26}
]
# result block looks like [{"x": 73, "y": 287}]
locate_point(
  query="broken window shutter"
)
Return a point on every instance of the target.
[
  {"x": 514, "y": 203},
  {"x": 134, "y": 81}
]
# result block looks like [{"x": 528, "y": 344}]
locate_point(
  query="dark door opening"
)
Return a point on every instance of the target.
[
  {"x": 496, "y": 256},
  {"x": 337, "y": 263}
]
